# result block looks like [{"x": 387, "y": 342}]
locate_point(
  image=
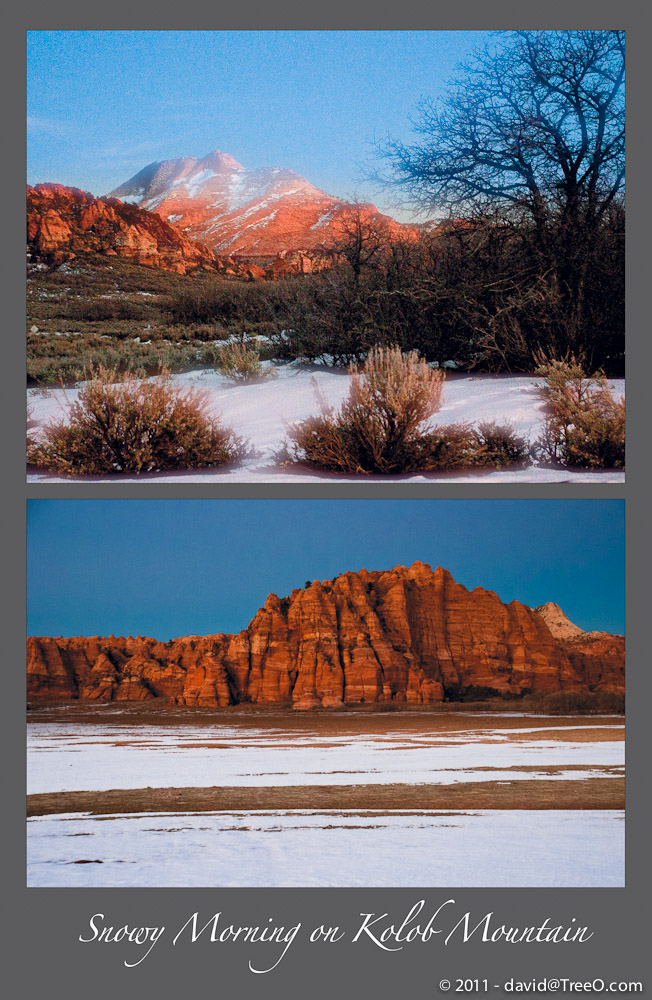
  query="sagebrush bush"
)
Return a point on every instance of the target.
[
  {"x": 120, "y": 423},
  {"x": 452, "y": 446},
  {"x": 559, "y": 371},
  {"x": 461, "y": 446},
  {"x": 585, "y": 425},
  {"x": 379, "y": 424},
  {"x": 401, "y": 390},
  {"x": 382, "y": 425},
  {"x": 241, "y": 362}
]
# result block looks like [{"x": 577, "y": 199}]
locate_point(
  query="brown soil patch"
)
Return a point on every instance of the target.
[
  {"x": 588, "y": 793},
  {"x": 415, "y": 719},
  {"x": 594, "y": 734}
]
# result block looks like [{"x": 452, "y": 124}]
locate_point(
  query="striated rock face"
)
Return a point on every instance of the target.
[
  {"x": 598, "y": 658},
  {"x": 268, "y": 212},
  {"x": 63, "y": 222},
  {"x": 406, "y": 636}
]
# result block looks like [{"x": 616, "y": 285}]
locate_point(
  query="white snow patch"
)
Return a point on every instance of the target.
[
  {"x": 483, "y": 848},
  {"x": 324, "y": 218},
  {"x": 192, "y": 182},
  {"x": 64, "y": 756}
]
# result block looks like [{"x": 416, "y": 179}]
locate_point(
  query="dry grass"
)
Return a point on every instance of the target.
[
  {"x": 241, "y": 362},
  {"x": 589, "y": 793}
]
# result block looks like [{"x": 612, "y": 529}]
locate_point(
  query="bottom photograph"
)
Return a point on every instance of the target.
[{"x": 325, "y": 693}]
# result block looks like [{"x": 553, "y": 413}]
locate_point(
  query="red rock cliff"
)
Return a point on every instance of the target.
[
  {"x": 408, "y": 635},
  {"x": 63, "y": 222}
]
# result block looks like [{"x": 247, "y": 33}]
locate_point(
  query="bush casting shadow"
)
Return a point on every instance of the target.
[
  {"x": 382, "y": 425},
  {"x": 120, "y": 423}
]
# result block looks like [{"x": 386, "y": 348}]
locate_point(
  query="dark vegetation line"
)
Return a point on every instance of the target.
[
  {"x": 474, "y": 698},
  {"x": 469, "y": 296}
]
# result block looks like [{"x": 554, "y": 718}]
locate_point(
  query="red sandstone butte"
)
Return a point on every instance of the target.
[{"x": 406, "y": 636}]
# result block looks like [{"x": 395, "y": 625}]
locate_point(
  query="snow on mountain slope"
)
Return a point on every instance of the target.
[{"x": 234, "y": 210}]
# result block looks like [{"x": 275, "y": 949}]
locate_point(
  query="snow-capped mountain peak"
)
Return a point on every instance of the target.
[{"x": 235, "y": 210}]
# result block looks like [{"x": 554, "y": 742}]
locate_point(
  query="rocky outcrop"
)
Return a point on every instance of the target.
[
  {"x": 594, "y": 656},
  {"x": 299, "y": 262},
  {"x": 406, "y": 636},
  {"x": 598, "y": 658},
  {"x": 559, "y": 624},
  {"x": 64, "y": 222},
  {"x": 265, "y": 213}
]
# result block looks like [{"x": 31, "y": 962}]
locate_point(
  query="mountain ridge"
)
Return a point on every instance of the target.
[
  {"x": 410, "y": 635},
  {"x": 246, "y": 212}
]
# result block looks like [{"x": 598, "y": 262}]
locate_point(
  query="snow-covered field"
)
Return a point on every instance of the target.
[
  {"x": 261, "y": 412},
  {"x": 100, "y": 756},
  {"x": 304, "y": 848}
]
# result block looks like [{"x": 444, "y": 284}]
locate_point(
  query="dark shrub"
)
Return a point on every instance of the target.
[
  {"x": 577, "y": 703},
  {"x": 99, "y": 310},
  {"x": 235, "y": 305},
  {"x": 452, "y": 446},
  {"x": 472, "y": 692},
  {"x": 461, "y": 446},
  {"x": 501, "y": 445}
]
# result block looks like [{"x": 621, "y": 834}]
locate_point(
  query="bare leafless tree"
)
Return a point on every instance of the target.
[
  {"x": 362, "y": 237},
  {"x": 536, "y": 121},
  {"x": 533, "y": 125}
]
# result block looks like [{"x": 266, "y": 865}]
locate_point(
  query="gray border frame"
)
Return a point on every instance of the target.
[{"x": 45, "y": 923}]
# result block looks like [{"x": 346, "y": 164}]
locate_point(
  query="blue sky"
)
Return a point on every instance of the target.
[
  {"x": 103, "y": 104},
  {"x": 166, "y": 568}
]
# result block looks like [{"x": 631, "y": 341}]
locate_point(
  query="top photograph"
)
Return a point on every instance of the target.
[{"x": 326, "y": 257}]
